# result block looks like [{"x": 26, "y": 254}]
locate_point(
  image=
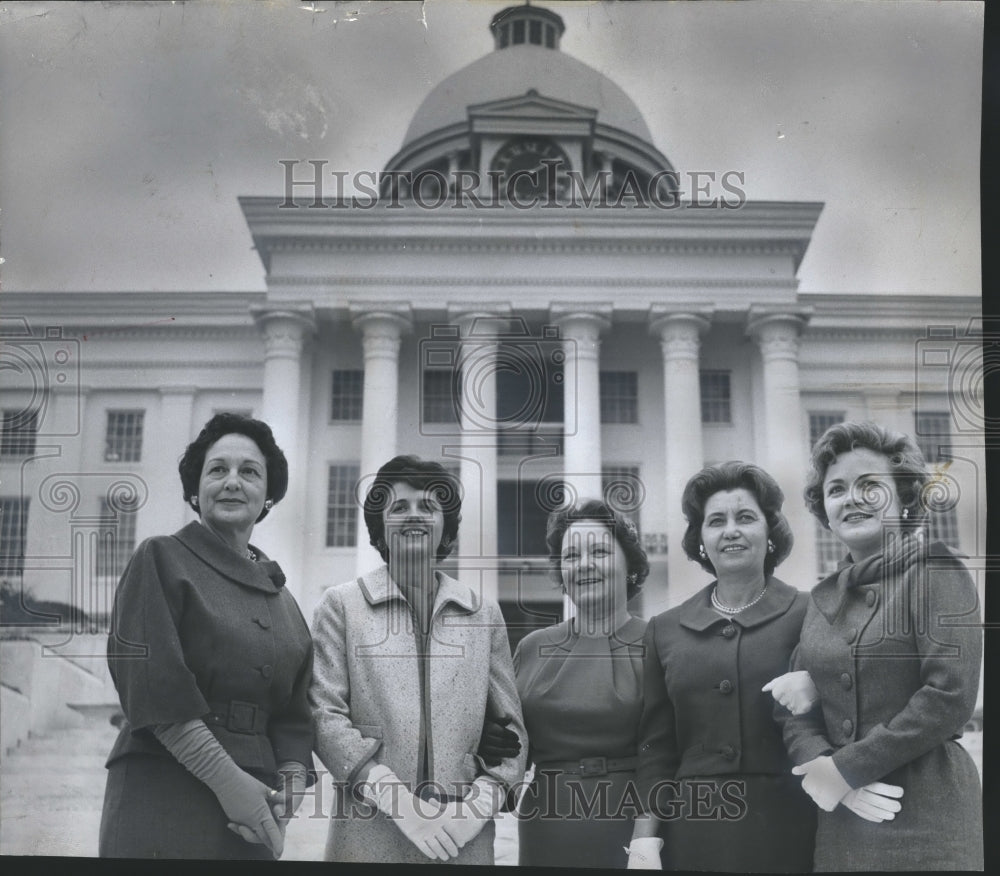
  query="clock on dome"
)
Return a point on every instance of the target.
[{"x": 530, "y": 167}]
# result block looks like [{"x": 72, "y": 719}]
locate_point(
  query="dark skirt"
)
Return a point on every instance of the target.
[
  {"x": 940, "y": 826},
  {"x": 574, "y": 821},
  {"x": 738, "y": 824},
  {"x": 155, "y": 808}
]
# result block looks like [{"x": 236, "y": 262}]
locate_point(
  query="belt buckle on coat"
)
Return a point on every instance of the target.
[{"x": 593, "y": 766}]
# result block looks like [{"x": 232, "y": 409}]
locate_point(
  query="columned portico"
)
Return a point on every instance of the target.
[
  {"x": 285, "y": 332},
  {"x": 381, "y": 332},
  {"x": 786, "y": 454},
  {"x": 581, "y": 329},
  {"x": 680, "y": 340},
  {"x": 478, "y": 363}
]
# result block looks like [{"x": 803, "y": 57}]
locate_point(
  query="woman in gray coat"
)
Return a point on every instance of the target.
[
  {"x": 893, "y": 643},
  {"x": 409, "y": 663}
]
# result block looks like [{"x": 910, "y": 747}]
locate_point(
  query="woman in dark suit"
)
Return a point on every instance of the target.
[
  {"x": 580, "y": 684},
  {"x": 893, "y": 643},
  {"x": 212, "y": 660},
  {"x": 713, "y": 773}
]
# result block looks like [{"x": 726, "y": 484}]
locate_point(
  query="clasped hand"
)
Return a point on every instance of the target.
[
  {"x": 794, "y": 690},
  {"x": 823, "y": 782}
]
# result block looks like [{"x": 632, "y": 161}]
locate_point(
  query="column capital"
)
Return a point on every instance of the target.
[
  {"x": 285, "y": 328},
  {"x": 476, "y": 322},
  {"x": 581, "y": 322},
  {"x": 382, "y": 318},
  {"x": 680, "y": 331},
  {"x": 777, "y": 332}
]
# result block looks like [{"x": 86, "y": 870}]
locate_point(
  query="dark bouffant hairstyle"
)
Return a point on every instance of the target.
[
  {"x": 193, "y": 460},
  {"x": 906, "y": 462},
  {"x": 623, "y": 529},
  {"x": 728, "y": 476},
  {"x": 421, "y": 474}
]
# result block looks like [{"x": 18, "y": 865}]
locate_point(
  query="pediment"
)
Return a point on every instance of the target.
[{"x": 534, "y": 106}]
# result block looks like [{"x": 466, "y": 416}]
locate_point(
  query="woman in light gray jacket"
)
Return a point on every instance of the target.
[{"x": 409, "y": 663}]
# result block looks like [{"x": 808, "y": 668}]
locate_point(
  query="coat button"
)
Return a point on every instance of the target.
[
  {"x": 262, "y": 623},
  {"x": 850, "y": 635},
  {"x": 729, "y": 630},
  {"x": 846, "y": 681},
  {"x": 725, "y": 686},
  {"x": 266, "y": 670},
  {"x": 728, "y": 752},
  {"x": 848, "y": 726},
  {"x": 871, "y": 597}
]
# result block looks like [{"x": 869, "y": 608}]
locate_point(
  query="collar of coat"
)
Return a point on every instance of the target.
[
  {"x": 561, "y": 635},
  {"x": 830, "y": 593},
  {"x": 378, "y": 587},
  {"x": 697, "y": 612},
  {"x": 265, "y": 574}
]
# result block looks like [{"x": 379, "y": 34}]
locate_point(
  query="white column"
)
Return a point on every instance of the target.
[
  {"x": 281, "y": 534},
  {"x": 786, "y": 455},
  {"x": 176, "y": 403},
  {"x": 680, "y": 340},
  {"x": 478, "y": 363},
  {"x": 381, "y": 333},
  {"x": 581, "y": 332}
]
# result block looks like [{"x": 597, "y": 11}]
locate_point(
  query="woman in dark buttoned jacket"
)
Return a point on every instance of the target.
[
  {"x": 893, "y": 644},
  {"x": 212, "y": 659},
  {"x": 713, "y": 772}
]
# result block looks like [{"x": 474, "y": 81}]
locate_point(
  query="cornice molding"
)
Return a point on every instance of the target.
[{"x": 436, "y": 282}]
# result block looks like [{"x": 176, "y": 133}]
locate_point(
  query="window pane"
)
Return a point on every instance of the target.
[
  {"x": 439, "y": 403},
  {"x": 623, "y": 491},
  {"x": 619, "y": 397},
  {"x": 123, "y": 441},
  {"x": 19, "y": 432},
  {"x": 820, "y": 421},
  {"x": 13, "y": 526},
  {"x": 341, "y": 506},
  {"x": 715, "y": 397},
  {"x": 117, "y": 540},
  {"x": 348, "y": 393}
]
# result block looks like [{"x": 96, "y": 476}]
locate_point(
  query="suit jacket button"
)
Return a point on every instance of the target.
[
  {"x": 725, "y": 686},
  {"x": 729, "y": 630},
  {"x": 728, "y": 752},
  {"x": 848, "y": 726},
  {"x": 871, "y": 597},
  {"x": 846, "y": 681},
  {"x": 266, "y": 670},
  {"x": 850, "y": 635}
]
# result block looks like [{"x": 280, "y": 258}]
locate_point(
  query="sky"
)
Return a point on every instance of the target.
[{"x": 129, "y": 130}]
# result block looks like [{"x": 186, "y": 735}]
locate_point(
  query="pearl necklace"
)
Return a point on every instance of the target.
[
  {"x": 726, "y": 609},
  {"x": 251, "y": 556}
]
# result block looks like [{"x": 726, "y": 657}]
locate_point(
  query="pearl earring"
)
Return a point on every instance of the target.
[
  {"x": 701, "y": 552},
  {"x": 194, "y": 501},
  {"x": 906, "y": 513},
  {"x": 269, "y": 504},
  {"x": 770, "y": 546}
]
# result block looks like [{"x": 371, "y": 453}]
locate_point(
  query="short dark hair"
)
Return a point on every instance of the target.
[
  {"x": 421, "y": 474},
  {"x": 193, "y": 460},
  {"x": 735, "y": 475},
  {"x": 906, "y": 462},
  {"x": 620, "y": 526}
]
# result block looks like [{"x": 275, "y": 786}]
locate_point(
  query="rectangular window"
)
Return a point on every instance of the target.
[
  {"x": 13, "y": 526},
  {"x": 619, "y": 397},
  {"x": 347, "y": 396},
  {"x": 20, "y": 429},
  {"x": 123, "y": 440},
  {"x": 715, "y": 397},
  {"x": 439, "y": 402},
  {"x": 117, "y": 540},
  {"x": 342, "y": 506},
  {"x": 933, "y": 435},
  {"x": 820, "y": 421},
  {"x": 622, "y": 489}
]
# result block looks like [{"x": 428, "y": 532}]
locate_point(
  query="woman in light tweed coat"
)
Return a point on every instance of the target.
[
  {"x": 409, "y": 663},
  {"x": 893, "y": 643}
]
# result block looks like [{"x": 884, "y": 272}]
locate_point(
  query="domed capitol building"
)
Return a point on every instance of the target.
[{"x": 532, "y": 294}]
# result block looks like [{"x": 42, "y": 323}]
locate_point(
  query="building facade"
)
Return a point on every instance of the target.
[{"x": 532, "y": 295}]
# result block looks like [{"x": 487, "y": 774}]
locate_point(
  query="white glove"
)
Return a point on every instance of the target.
[
  {"x": 644, "y": 853},
  {"x": 794, "y": 690},
  {"x": 466, "y": 818},
  {"x": 823, "y": 782},
  {"x": 875, "y": 802},
  {"x": 418, "y": 820}
]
